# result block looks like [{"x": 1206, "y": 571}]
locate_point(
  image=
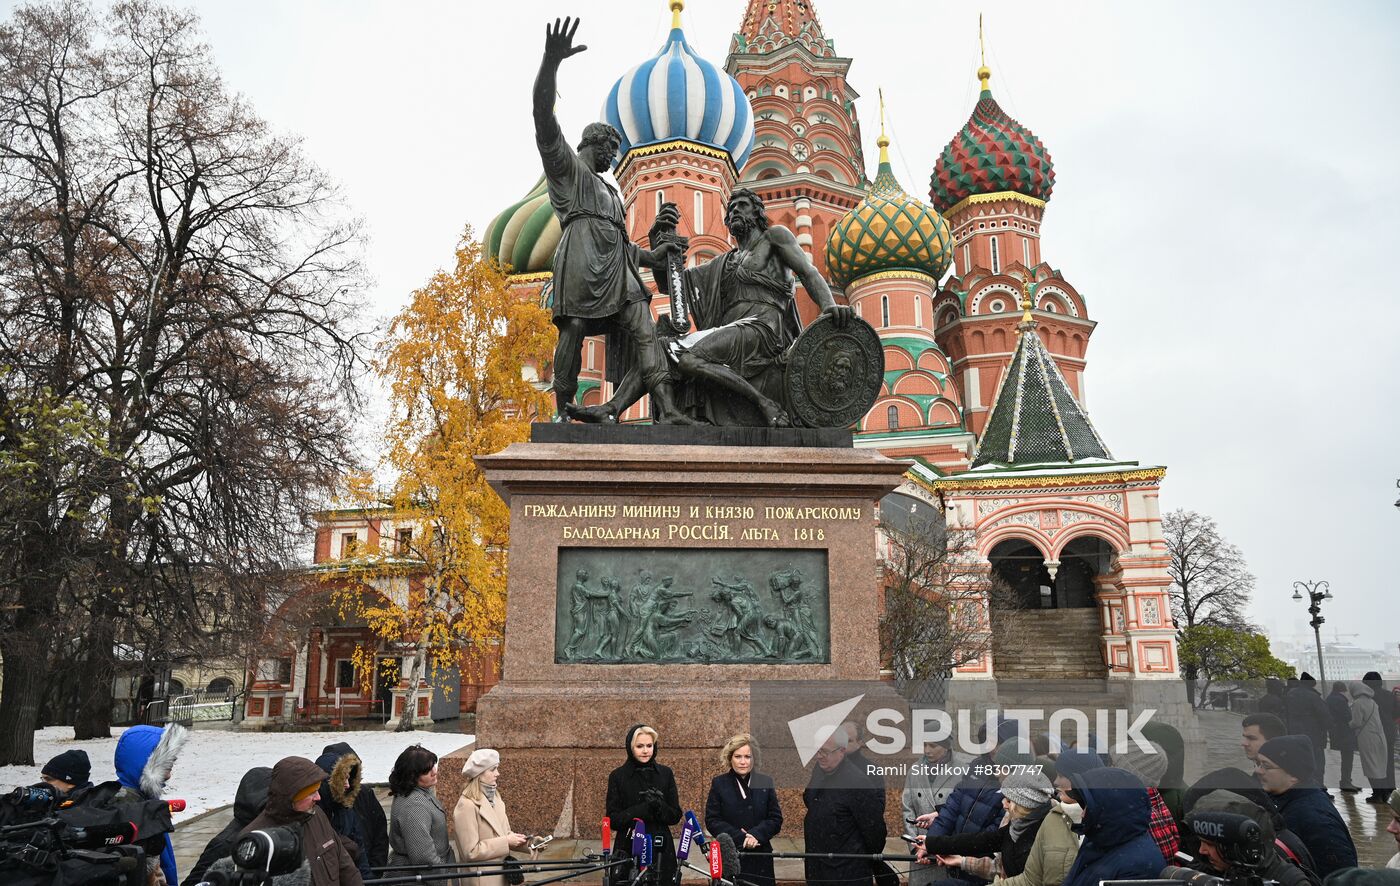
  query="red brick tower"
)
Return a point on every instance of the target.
[
  {"x": 807, "y": 162},
  {"x": 991, "y": 183}
]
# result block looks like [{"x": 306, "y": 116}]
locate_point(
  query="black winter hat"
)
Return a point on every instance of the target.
[
  {"x": 1293, "y": 754},
  {"x": 70, "y": 766}
]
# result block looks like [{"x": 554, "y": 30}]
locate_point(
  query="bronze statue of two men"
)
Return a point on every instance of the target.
[{"x": 742, "y": 302}]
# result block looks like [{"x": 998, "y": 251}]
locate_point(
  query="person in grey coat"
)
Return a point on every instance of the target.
[
  {"x": 926, "y": 788},
  {"x": 1370, "y": 739},
  {"x": 418, "y": 831}
]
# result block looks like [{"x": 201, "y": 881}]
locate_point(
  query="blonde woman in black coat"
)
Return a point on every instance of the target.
[
  {"x": 642, "y": 788},
  {"x": 744, "y": 804}
]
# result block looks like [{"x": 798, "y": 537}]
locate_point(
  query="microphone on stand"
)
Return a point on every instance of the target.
[
  {"x": 725, "y": 866},
  {"x": 607, "y": 836},
  {"x": 698, "y": 831},
  {"x": 641, "y": 849},
  {"x": 687, "y": 837}
]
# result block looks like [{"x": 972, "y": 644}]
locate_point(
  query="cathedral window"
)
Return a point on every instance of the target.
[
  {"x": 1026, "y": 250},
  {"x": 660, "y": 198},
  {"x": 884, "y": 310},
  {"x": 996, "y": 257},
  {"x": 892, "y": 418},
  {"x": 699, "y": 213}
]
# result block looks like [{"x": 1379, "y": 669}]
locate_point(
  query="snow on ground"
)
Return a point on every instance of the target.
[{"x": 212, "y": 762}]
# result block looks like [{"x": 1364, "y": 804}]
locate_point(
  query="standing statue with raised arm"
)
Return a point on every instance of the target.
[
  {"x": 597, "y": 280},
  {"x": 743, "y": 307}
]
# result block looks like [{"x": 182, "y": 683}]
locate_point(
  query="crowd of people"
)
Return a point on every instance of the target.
[{"x": 1028, "y": 813}]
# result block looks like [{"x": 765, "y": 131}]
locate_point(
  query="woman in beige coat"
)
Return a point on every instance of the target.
[{"x": 482, "y": 828}]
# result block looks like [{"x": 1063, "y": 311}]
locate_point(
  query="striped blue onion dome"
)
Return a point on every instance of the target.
[{"x": 676, "y": 94}]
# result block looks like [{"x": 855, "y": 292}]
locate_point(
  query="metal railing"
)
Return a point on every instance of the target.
[{"x": 191, "y": 708}]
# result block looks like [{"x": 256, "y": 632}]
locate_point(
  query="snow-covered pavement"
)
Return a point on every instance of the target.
[{"x": 211, "y": 764}]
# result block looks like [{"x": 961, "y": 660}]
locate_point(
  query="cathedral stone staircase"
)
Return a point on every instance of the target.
[{"x": 1047, "y": 644}]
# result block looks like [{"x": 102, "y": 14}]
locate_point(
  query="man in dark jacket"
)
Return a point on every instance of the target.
[
  {"x": 1288, "y": 844},
  {"x": 1343, "y": 739},
  {"x": 1220, "y": 860},
  {"x": 248, "y": 801},
  {"x": 338, "y": 793},
  {"x": 292, "y": 793},
  {"x": 1385, "y": 701},
  {"x": 1308, "y": 715},
  {"x": 1117, "y": 845},
  {"x": 1285, "y": 770},
  {"x": 843, "y": 816},
  {"x": 1271, "y": 702},
  {"x": 374, "y": 824}
]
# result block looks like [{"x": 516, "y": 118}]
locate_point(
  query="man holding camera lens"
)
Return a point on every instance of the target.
[
  {"x": 291, "y": 802},
  {"x": 1221, "y": 854}
]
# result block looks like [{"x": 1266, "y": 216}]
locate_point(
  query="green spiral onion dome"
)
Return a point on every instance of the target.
[
  {"x": 888, "y": 231},
  {"x": 525, "y": 235},
  {"x": 992, "y": 153}
]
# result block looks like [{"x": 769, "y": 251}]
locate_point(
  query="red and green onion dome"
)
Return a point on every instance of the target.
[
  {"x": 525, "y": 235},
  {"x": 992, "y": 153},
  {"x": 888, "y": 231}
]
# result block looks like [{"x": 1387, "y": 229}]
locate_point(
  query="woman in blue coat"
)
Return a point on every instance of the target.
[
  {"x": 744, "y": 805},
  {"x": 144, "y": 759},
  {"x": 1117, "y": 844}
]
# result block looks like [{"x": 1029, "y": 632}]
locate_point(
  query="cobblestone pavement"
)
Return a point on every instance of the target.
[{"x": 1222, "y": 733}]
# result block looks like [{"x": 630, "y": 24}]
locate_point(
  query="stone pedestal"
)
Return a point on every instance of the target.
[{"x": 559, "y": 721}]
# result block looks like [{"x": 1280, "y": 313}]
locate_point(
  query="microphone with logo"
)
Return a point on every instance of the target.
[{"x": 722, "y": 855}]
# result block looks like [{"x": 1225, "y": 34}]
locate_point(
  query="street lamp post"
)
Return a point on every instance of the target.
[{"x": 1317, "y": 591}]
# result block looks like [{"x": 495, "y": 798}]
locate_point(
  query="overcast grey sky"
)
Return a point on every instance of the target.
[{"x": 1226, "y": 184}]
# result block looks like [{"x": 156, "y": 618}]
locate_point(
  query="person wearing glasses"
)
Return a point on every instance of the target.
[
  {"x": 844, "y": 817},
  {"x": 1286, "y": 769}
]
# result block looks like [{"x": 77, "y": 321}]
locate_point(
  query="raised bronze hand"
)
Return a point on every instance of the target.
[{"x": 559, "y": 40}]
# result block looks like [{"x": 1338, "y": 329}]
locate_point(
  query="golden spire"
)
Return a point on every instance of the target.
[
  {"x": 1026, "y": 302},
  {"x": 984, "y": 73},
  {"x": 884, "y": 140},
  {"x": 676, "y": 7}
]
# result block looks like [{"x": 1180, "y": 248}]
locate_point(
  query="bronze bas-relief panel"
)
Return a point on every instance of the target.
[{"x": 720, "y": 606}]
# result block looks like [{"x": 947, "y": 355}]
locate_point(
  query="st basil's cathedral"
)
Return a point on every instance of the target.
[{"x": 985, "y": 342}]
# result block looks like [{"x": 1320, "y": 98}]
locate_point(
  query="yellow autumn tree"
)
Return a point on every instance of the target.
[{"x": 455, "y": 359}]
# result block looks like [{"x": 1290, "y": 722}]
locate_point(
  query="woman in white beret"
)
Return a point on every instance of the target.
[{"x": 482, "y": 828}]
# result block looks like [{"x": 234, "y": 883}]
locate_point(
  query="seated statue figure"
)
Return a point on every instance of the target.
[{"x": 745, "y": 315}]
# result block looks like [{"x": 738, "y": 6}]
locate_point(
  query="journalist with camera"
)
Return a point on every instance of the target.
[
  {"x": 102, "y": 837},
  {"x": 291, "y": 803},
  {"x": 1236, "y": 843}
]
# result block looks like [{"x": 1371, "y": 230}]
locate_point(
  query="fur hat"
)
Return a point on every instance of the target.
[
  {"x": 1029, "y": 790},
  {"x": 482, "y": 760},
  {"x": 1293, "y": 754}
]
